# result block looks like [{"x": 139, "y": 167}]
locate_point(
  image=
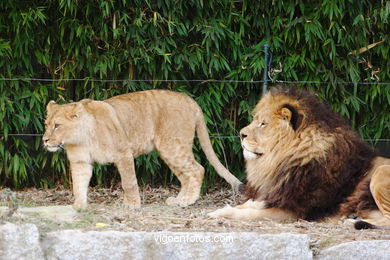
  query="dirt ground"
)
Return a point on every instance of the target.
[{"x": 106, "y": 212}]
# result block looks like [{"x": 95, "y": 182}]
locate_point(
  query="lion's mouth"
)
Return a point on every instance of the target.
[{"x": 249, "y": 154}]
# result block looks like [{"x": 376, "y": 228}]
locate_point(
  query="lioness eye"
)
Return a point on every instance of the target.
[
  {"x": 262, "y": 124},
  {"x": 56, "y": 126}
]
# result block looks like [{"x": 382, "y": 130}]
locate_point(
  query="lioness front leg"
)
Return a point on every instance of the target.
[
  {"x": 129, "y": 182},
  {"x": 81, "y": 175}
]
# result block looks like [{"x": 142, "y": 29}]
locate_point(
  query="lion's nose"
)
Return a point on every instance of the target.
[{"x": 243, "y": 135}]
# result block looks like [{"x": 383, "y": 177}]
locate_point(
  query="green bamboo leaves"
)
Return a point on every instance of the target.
[{"x": 333, "y": 42}]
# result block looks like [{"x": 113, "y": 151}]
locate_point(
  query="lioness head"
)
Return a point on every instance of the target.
[
  {"x": 63, "y": 124},
  {"x": 274, "y": 119}
]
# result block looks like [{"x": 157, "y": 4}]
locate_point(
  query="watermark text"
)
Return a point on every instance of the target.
[{"x": 193, "y": 238}]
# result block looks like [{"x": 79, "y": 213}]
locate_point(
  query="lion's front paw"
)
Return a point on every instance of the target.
[{"x": 225, "y": 212}]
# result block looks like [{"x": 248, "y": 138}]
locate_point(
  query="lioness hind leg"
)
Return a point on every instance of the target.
[
  {"x": 189, "y": 172},
  {"x": 380, "y": 189},
  {"x": 190, "y": 177},
  {"x": 129, "y": 182}
]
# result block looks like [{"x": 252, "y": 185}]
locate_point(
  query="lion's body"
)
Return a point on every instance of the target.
[
  {"x": 121, "y": 128},
  {"x": 305, "y": 161}
]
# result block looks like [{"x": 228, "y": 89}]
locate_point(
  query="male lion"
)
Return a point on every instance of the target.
[
  {"x": 121, "y": 128},
  {"x": 305, "y": 161}
]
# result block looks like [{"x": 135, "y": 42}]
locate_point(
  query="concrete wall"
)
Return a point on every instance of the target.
[{"x": 26, "y": 242}]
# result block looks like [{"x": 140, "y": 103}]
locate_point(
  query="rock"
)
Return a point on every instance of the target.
[
  {"x": 24, "y": 242},
  {"x": 358, "y": 250},
  {"x": 58, "y": 213},
  {"x": 76, "y": 244},
  {"x": 55, "y": 213},
  {"x": 19, "y": 242}
]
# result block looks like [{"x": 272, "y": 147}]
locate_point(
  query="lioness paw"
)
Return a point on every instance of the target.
[
  {"x": 172, "y": 201},
  {"x": 132, "y": 206},
  {"x": 79, "y": 206},
  {"x": 132, "y": 203}
]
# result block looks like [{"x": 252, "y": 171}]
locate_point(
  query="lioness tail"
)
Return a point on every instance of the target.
[{"x": 207, "y": 148}]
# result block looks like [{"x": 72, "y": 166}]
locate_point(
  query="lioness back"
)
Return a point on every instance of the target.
[
  {"x": 121, "y": 128},
  {"x": 149, "y": 116}
]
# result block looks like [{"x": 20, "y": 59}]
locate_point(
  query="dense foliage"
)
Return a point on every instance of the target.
[{"x": 334, "y": 42}]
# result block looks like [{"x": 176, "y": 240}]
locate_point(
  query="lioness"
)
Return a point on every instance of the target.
[
  {"x": 305, "y": 161},
  {"x": 123, "y": 127}
]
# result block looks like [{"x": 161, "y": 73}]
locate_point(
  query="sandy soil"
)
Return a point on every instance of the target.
[{"x": 107, "y": 213}]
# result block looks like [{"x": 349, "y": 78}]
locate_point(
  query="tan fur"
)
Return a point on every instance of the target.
[
  {"x": 380, "y": 189},
  {"x": 121, "y": 128},
  {"x": 252, "y": 212},
  {"x": 269, "y": 143}
]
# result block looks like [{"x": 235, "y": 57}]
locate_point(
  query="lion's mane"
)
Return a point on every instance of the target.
[{"x": 314, "y": 172}]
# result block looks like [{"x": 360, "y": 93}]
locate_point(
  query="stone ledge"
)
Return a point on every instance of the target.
[
  {"x": 76, "y": 244},
  {"x": 358, "y": 250},
  {"x": 58, "y": 213},
  {"x": 25, "y": 242},
  {"x": 20, "y": 242}
]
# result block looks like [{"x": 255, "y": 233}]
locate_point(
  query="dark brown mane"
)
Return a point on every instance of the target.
[
  {"x": 315, "y": 111},
  {"x": 317, "y": 188}
]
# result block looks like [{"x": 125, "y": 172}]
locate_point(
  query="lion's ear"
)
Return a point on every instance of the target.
[
  {"x": 290, "y": 114},
  {"x": 286, "y": 114}
]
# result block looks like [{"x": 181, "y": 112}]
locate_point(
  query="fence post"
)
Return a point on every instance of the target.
[{"x": 266, "y": 69}]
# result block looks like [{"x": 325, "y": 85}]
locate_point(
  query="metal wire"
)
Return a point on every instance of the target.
[
  {"x": 22, "y": 134},
  {"x": 194, "y": 80},
  {"x": 189, "y": 80},
  {"x": 132, "y": 80},
  {"x": 211, "y": 136}
]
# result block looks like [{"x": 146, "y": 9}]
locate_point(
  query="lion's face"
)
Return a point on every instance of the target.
[
  {"x": 62, "y": 126},
  {"x": 271, "y": 125}
]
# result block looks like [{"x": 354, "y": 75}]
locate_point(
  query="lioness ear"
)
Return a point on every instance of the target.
[
  {"x": 51, "y": 105},
  {"x": 78, "y": 108},
  {"x": 75, "y": 112},
  {"x": 85, "y": 101}
]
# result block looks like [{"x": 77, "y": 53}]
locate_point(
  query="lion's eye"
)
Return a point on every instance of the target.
[
  {"x": 262, "y": 125},
  {"x": 56, "y": 126}
]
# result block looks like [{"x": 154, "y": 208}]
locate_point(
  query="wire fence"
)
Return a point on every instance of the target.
[
  {"x": 211, "y": 136},
  {"x": 383, "y": 145},
  {"x": 196, "y": 80},
  {"x": 188, "y": 80}
]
